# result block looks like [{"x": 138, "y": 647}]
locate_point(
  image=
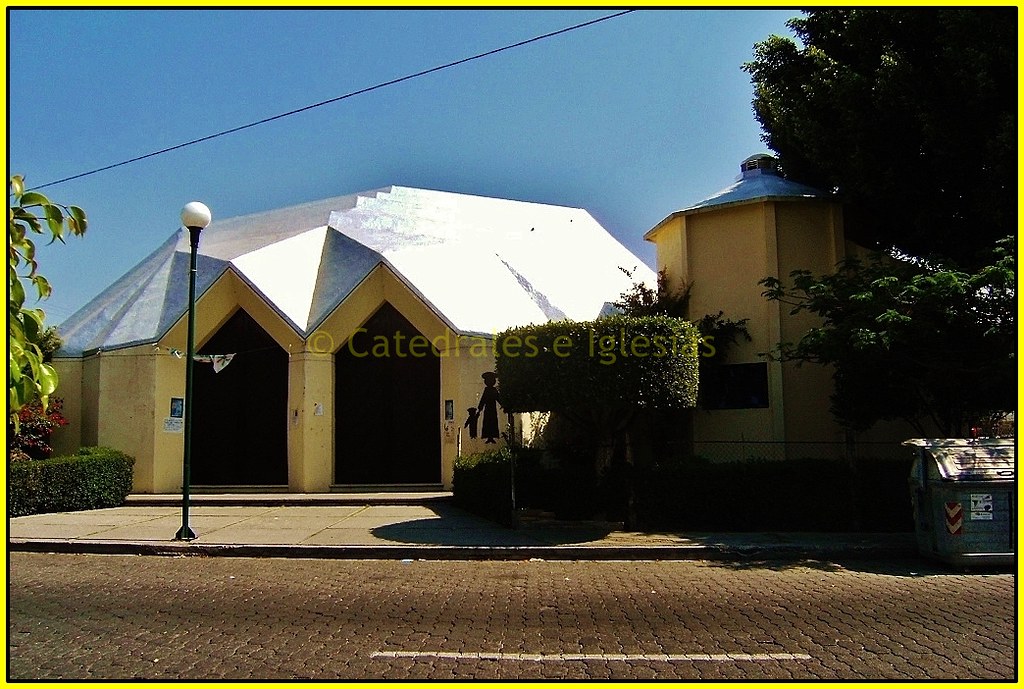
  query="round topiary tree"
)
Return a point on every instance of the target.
[{"x": 600, "y": 375}]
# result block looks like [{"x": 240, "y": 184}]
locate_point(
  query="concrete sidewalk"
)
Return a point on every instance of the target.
[{"x": 399, "y": 526}]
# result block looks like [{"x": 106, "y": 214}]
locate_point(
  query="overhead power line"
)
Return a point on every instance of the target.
[{"x": 351, "y": 94}]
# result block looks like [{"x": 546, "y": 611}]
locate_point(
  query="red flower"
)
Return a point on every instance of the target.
[{"x": 36, "y": 427}]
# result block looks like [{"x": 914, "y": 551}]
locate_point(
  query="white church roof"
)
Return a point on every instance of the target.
[{"x": 483, "y": 264}]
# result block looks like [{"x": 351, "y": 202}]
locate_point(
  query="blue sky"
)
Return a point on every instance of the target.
[{"x": 630, "y": 119}]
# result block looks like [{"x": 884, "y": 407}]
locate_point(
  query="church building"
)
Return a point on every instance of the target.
[{"x": 341, "y": 344}]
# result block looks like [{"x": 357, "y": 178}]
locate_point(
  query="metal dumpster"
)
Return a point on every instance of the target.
[{"x": 964, "y": 498}]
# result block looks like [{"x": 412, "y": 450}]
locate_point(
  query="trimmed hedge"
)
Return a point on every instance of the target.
[
  {"x": 615, "y": 362},
  {"x": 697, "y": 495},
  {"x": 482, "y": 484},
  {"x": 92, "y": 478},
  {"x": 777, "y": 495}
]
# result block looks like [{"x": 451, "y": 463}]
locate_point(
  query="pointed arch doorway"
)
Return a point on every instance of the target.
[
  {"x": 387, "y": 408},
  {"x": 240, "y": 414}
]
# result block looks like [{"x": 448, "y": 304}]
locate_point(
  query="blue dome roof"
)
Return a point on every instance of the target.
[{"x": 759, "y": 179}]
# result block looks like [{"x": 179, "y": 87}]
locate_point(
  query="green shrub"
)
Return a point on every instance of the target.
[
  {"x": 92, "y": 478},
  {"x": 766, "y": 495},
  {"x": 696, "y": 495},
  {"x": 569, "y": 487},
  {"x": 482, "y": 484}
]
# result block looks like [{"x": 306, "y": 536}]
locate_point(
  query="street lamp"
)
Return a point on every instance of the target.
[{"x": 195, "y": 216}]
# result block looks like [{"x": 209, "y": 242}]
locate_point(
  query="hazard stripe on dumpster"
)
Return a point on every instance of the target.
[{"x": 954, "y": 518}]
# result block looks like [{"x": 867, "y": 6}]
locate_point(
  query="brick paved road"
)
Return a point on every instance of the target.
[{"x": 107, "y": 617}]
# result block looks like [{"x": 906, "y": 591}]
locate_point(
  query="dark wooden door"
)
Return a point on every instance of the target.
[
  {"x": 387, "y": 405},
  {"x": 240, "y": 414}
]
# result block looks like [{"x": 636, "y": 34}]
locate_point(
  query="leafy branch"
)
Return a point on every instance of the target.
[{"x": 31, "y": 214}]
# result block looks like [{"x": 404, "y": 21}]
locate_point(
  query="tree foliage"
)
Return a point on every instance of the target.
[
  {"x": 643, "y": 300},
  {"x": 909, "y": 114},
  {"x": 29, "y": 376},
  {"x": 718, "y": 333},
  {"x": 602, "y": 376},
  {"x": 911, "y": 340}
]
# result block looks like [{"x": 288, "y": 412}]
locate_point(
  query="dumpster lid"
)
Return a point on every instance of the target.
[{"x": 984, "y": 459}]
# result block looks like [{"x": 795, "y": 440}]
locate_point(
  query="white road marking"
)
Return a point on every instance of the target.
[{"x": 562, "y": 657}]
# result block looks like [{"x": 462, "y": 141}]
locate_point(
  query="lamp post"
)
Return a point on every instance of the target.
[{"x": 195, "y": 216}]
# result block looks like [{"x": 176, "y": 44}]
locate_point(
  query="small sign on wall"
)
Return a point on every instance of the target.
[{"x": 175, "y": 423}]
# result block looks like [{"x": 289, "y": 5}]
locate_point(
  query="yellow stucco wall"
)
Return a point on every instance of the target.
[
  {"x": 118, "y": 399},
  {"x": 310, "y": 435},
  {"x": 474, "y": 358},
  {"x": 68, "y": 439},
  {"x": 125, "y": 406},
  {"x": 726, "y": 252},
  {"x": 462, "y": 359},
  {"x": 723, "y": 252},
  {"x": 90, "y": 400},
  {"x": 381, "y": 286},
  {"x": 163, "y": 473},
  {"x": 671, "y": 254},
  {"x": 213, "y": 308},
  {"x": 121, "y": 398},
  {"x": 810, "y": 238}
]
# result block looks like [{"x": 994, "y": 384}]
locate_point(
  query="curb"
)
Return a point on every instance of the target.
[{"x": 464, "y": 552}]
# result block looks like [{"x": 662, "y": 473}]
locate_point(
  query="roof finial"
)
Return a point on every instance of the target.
[{"x": 760, "y": 161}]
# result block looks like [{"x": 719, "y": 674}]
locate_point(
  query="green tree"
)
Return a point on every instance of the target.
[
  {"x": 718, "y": 332},
  {"x": 643, "y": 300},
  {"x": 29, "y": 376},
  {"x": 909, "y": 114},
  {"x": 910, "y": 340},
  {"x": 604, "y": 377}
]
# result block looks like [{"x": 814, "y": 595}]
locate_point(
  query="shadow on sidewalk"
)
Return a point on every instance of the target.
[
  {"x": 438, "y": 531},
  {"x": 451, "y": 527}
]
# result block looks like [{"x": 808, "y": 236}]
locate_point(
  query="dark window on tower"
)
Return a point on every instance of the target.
[{"x": 734, "y": 386}]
